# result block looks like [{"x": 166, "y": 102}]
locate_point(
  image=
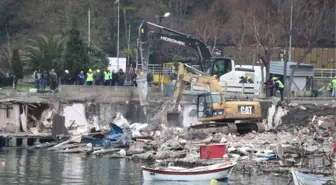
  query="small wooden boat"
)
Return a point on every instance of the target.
[
  {"x": 308, "y": 179},
  {"x": 217, "y": 171}
]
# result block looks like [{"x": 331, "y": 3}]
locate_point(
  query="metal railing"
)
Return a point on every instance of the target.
[
  {"x": 156, "y": 69},
  {"x": 324, "y": 73}
]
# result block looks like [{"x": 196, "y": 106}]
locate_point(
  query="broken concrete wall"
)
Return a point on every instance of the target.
[
  {"x": 189, "y": 113},
  {"x": 74, "y": 113},
  {"x": 92, "y": 114},
  {"x": 131, "y": 110},
  {"x": 10, "y": 118}
]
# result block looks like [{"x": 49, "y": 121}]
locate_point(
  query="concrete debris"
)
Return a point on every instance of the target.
[
  {"x": 137, "y": 128},
  {"x": 173, "y": 144},
  {"x": 121, "y": 122},
  {"x": 296, "y": 134}
]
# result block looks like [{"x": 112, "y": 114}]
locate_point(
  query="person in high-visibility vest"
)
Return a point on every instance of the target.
[
  {"x": 107, "y": 77},
  {"x": 278, "y": 86},
  {"x": 333, "y": 87},
  {"x": 89, "y": 77}
]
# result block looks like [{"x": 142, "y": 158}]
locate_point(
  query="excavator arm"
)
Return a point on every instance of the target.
[
  {"x": 185, "y": 75},
  {"x": 174, "y": 37}
]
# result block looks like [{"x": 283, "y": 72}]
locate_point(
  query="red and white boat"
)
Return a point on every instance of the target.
[{"x": 173, "y": 173}]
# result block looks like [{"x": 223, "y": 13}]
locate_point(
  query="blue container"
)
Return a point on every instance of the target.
[{"x": 127, "y": 84}]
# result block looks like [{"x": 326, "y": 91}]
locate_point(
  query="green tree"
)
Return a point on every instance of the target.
[
  {"x": 97, "y": 58},
  {"x": 75, "y": 57},
  {"x": 44, "y": 53},
  {"x": 16, "y": 65}
]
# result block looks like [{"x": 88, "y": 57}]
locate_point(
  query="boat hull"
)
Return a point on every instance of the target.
[
  {"x": 307, "y": 179},
  {"x": 167, "y": 175}
]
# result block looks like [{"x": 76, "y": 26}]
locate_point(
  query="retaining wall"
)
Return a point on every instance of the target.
[{"x": 106, "y": 94}]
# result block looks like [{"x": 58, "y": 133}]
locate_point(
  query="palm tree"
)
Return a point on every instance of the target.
[{"x": 44, "y": 53}]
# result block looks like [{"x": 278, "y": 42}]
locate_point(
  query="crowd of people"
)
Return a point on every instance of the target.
[
  {"x": 104, "y": 77},
  {"x": 247, "y": 79},
  {"x": 273, "y": 84},
  {"x": 42, "y": 78}
]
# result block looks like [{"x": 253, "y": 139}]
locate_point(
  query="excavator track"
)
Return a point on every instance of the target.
[{"x": 229, "y": 127}]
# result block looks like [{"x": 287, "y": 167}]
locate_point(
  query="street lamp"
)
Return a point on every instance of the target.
[{"x": 167, "y": 14}]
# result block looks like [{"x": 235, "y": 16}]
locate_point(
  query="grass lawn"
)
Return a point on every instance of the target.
[{"x": 22, "y": 87}]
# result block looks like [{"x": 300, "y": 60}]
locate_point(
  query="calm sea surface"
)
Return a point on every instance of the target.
[{"x": 41, "y": 167}]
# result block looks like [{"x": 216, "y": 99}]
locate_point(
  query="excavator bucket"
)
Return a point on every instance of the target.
[{"x": 174, "y": 118}]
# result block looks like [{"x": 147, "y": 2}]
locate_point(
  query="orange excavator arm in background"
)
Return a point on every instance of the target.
[{"x": 194, "y": 77}]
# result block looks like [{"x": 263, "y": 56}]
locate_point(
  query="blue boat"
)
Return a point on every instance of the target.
[{"x": 114, "y": 137}]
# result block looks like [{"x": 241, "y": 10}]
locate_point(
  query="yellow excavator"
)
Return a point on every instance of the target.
[{"x": 216, "y": 113}]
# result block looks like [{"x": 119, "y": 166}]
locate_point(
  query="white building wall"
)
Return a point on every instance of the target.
[{"x": 10, "y": 122}]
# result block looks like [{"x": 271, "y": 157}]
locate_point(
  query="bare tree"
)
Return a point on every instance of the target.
[
  {"x": 313, "y": 26},
  {"x": 207, "y": 28},
  {"x": 236, "y": 28},
  {"x": 309, "y": 20},
  {"x": 263, "y": 27}
]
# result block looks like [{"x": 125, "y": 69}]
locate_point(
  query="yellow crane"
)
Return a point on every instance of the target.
[{"x": 214, "y": 111}]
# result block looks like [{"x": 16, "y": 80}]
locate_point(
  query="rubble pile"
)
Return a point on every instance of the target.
[
  {"x": 157, "y": 110},
  {"x": 304, "y": 135},
  {"x": 299, "y": 115}
]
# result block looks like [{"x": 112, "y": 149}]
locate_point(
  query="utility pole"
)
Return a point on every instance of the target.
[
  {"x": 289, "y": 58},
  {"x": 290, "y": 31},
  {"x": 129, "y": 45},
  {"x": 89, "y": 27},
  {"x": 118, "y": 1}
]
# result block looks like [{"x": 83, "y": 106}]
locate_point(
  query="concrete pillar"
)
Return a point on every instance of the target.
[
  {"x": 37, "y": 141},
  {"x": 24, "y": 142},
  {"x": 12, "y": 142}
]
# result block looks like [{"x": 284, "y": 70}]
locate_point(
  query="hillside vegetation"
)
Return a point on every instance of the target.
[{"x": 262, "y": 23}]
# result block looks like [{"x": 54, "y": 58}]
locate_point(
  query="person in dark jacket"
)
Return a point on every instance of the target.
[
  {"x": 44, "y": 79},
  {"x": 53, "y": 79},
  {"x": 97, "y": 77},
  {"x": 67, "y": 79},
  {"x": 121, "y": 77},
  {"x": 242, "y": 80},
  {"x": 149, "y": 79},
  {"x": 114, "y": 81},
  {"x": 269, "y": 85},
  {"x": 102, "y": 71},
  {"x": 134, "y": 79},
  {"x": 81, "y": 78}
]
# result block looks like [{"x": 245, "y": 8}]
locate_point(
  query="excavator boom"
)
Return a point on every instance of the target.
[
  {"x": 188, "y": 74},
  {"x": 174, "y": 37}
]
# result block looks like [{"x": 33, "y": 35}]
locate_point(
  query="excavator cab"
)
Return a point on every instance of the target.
[
  {"x": 205, "y": 104},
  {"x": 221, "y": 66}
]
